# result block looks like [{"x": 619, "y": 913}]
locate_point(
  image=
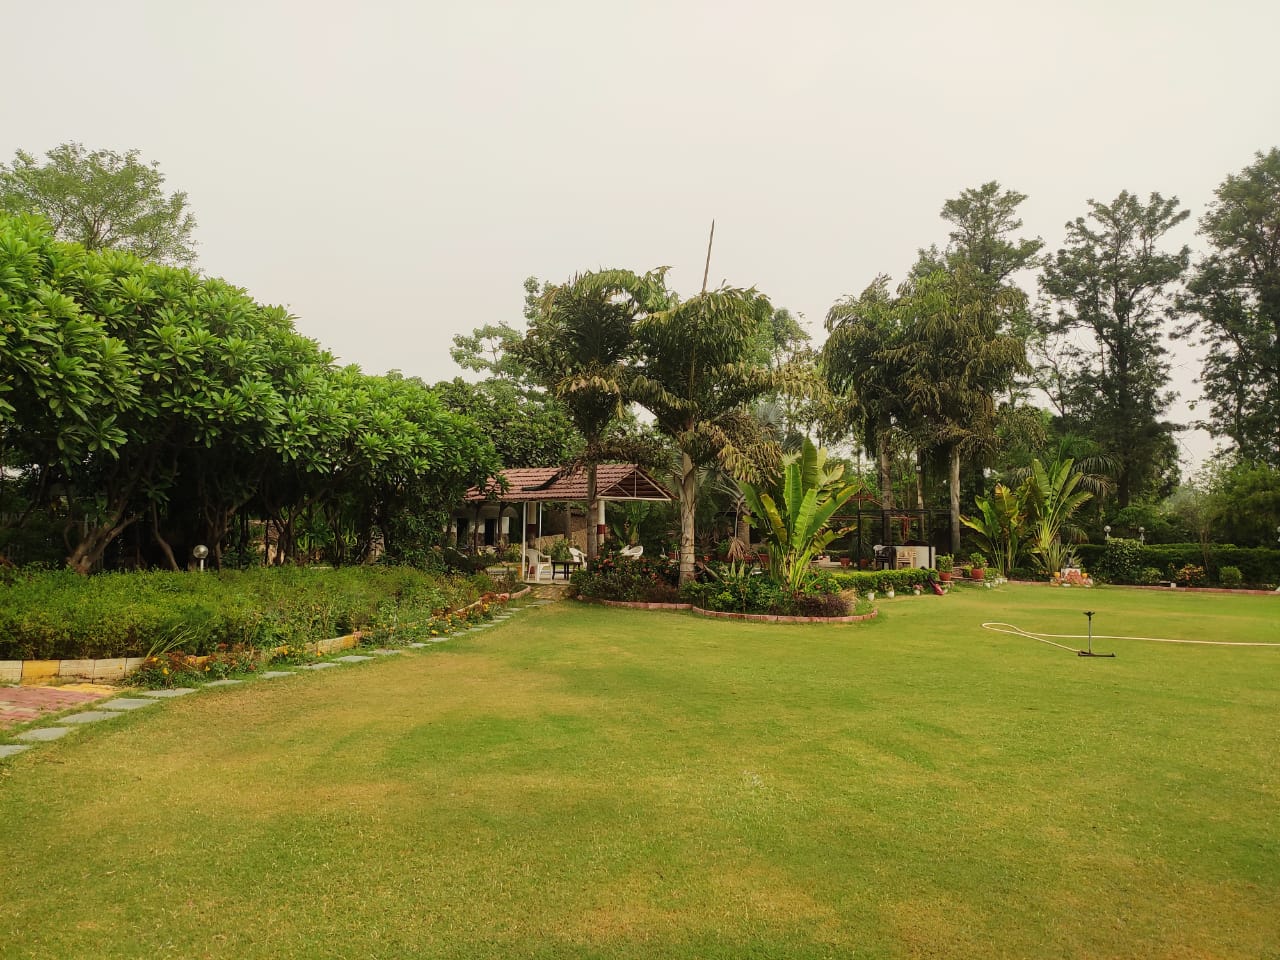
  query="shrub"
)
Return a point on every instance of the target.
[
  {"x": 734, "y": 589},
  {"x": 633, "y": 579},
  {"x": 1149, "y": 576},
  {"x": 58, "y": 614},
  {"x": 1191, "y": 576},
  {"x": 1230, "y": 577},
  {"x": 1121, "y": 561},
  {"x": 1257, "y": 564},
  {"x": 879, "y": 580}
]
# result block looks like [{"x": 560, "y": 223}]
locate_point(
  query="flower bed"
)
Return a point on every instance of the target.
[{"x": 723, "y": 588}]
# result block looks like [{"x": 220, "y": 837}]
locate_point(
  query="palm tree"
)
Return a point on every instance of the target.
[
  {"x": 957, "y": 359},
  {"x": 694, "y": 373},
  {"x": 863, "y": 364},
  {"x": 577, "y": 347}
]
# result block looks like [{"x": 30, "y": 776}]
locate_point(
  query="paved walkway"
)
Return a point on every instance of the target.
[
  {"x": 19, "y": 705},
  {"x": 24, "y": 704}
]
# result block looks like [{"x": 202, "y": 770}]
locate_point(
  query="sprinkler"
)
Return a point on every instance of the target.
[{"x": 1089, "y": 652}]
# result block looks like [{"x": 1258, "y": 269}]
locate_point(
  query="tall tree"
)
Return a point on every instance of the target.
[
  {"x": 983, "y": 221},
  {"x": 1113, "y": 286},
  {"x": 577, "y": 347},
  {"x": 865, "y": 363},
  {"x": 1234, "y": 297},
  {"x": 694, "y": 372},
  {"x": 101, "y": 199},
  {"x": 960, "y": 354}
]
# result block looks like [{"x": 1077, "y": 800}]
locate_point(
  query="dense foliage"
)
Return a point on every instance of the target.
[
  {"x": 1118, "y": 561},
  {"x": 101, "y": 199},
  {"x": 148, "y": 409},
  {"x": 58, "y": 615}
]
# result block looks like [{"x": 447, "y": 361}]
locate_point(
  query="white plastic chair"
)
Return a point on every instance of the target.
[
  {"x": 535, "y": 561},
  {"x": 578, "y": 555},
  {"x": 635, "y": 551}
]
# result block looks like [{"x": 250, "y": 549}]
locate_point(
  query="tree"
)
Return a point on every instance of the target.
[
  {"x": 865, "y": 362},
  {"x": 1112, "y": 286},
  {"x": 101, "y": 200},
  {"x": 693, "y": 371},
  {"x": 1234, "y": 296},
  {"x": 983, "y": 220},
  {"x": 960, "y": 353},
  {"x": 577, "y": 347},
  {"x": 544, "y": 435}
]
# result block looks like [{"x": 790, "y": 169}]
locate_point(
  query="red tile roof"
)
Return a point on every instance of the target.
[{"x": 614, "y": 481}]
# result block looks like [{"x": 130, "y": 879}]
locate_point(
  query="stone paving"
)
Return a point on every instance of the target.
[{"x": 26, "y": 704}]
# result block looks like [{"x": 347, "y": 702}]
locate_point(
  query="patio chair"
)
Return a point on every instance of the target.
[
  {"x": 535, "y": 561},
  {"x": 635, "y": 551},
  {"x": 578, "y": 556}
]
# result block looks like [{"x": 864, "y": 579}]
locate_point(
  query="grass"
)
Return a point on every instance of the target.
[{"x": 594, "y": 782}]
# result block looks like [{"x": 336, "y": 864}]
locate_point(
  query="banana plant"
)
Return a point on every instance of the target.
[
  {"x": 794, "y": 513},
  {"x": 1001, "y": 527},
  {"x": 1051, "y": 496}
]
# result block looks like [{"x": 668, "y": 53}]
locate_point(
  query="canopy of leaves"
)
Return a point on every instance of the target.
[
  {"x": 1234, "y": 298},
  {"x": 1113, "y": 287},
  {"x": 101, "y": 199}
]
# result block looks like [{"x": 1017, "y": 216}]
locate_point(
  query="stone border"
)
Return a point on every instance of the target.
[
  {"x": 46, "y": 672},
  {"x": 726, "y": 615}
]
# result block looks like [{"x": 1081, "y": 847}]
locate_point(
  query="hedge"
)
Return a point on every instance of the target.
[
  {"x": 61, "y": 615},
  {"x": 879, "y": 580},
  {"x": 1258, "y": 565}
]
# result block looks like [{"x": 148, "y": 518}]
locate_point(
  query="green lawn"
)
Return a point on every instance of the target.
[{"x": 595, "y": 782}]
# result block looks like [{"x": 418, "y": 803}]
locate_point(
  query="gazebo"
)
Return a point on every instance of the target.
[{"x": 522, "y": 486}]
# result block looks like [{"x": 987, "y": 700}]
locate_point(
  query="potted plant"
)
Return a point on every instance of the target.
[
  {"x": 846, "y": 559},
  {"x": 887, "y": 587},
  {"x": 946, "y": 564},
  {"x": 978, "y": 570},
  {"x": 559, "y": 551}
]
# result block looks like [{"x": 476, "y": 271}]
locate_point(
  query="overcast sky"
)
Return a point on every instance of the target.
[{"x": 393, "y": 171}]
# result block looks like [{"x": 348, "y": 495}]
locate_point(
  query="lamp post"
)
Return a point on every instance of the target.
[
  {"x": 1106, "y": 532},
  {"x": 200, "y": 552},
  {"x": 1142, "y": 534}
]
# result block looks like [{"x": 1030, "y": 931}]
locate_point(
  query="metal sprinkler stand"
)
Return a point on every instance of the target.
[{"x": 1089, "y": 652}]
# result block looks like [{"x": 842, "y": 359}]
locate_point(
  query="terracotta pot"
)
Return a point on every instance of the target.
[
  {"x": 944, "y": 576},
  {"x": 977, "y": 573},
  {"x": 844, "y": 562}
]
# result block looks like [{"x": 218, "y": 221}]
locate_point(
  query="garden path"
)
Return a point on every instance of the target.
[{"x": 21, "y": 705}]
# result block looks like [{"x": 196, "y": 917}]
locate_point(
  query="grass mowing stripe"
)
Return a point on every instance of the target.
[{"x": 613, "y": 783}]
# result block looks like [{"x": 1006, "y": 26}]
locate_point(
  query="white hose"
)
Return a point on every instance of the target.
[{"x": 1001, "y": 627}]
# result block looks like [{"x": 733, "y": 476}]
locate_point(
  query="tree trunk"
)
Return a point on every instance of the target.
[
  {"x": 89, "y": 551},
  {"x": 593, "y": 511},
  {"x": 688, "y": 504},
  {"x": 954, "y": 484},
  {"x": 159, "y": 538},
  {"x": 884, "y": 454}
]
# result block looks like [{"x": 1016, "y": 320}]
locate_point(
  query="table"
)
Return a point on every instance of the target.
[{"x": 565, "y": 564}]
